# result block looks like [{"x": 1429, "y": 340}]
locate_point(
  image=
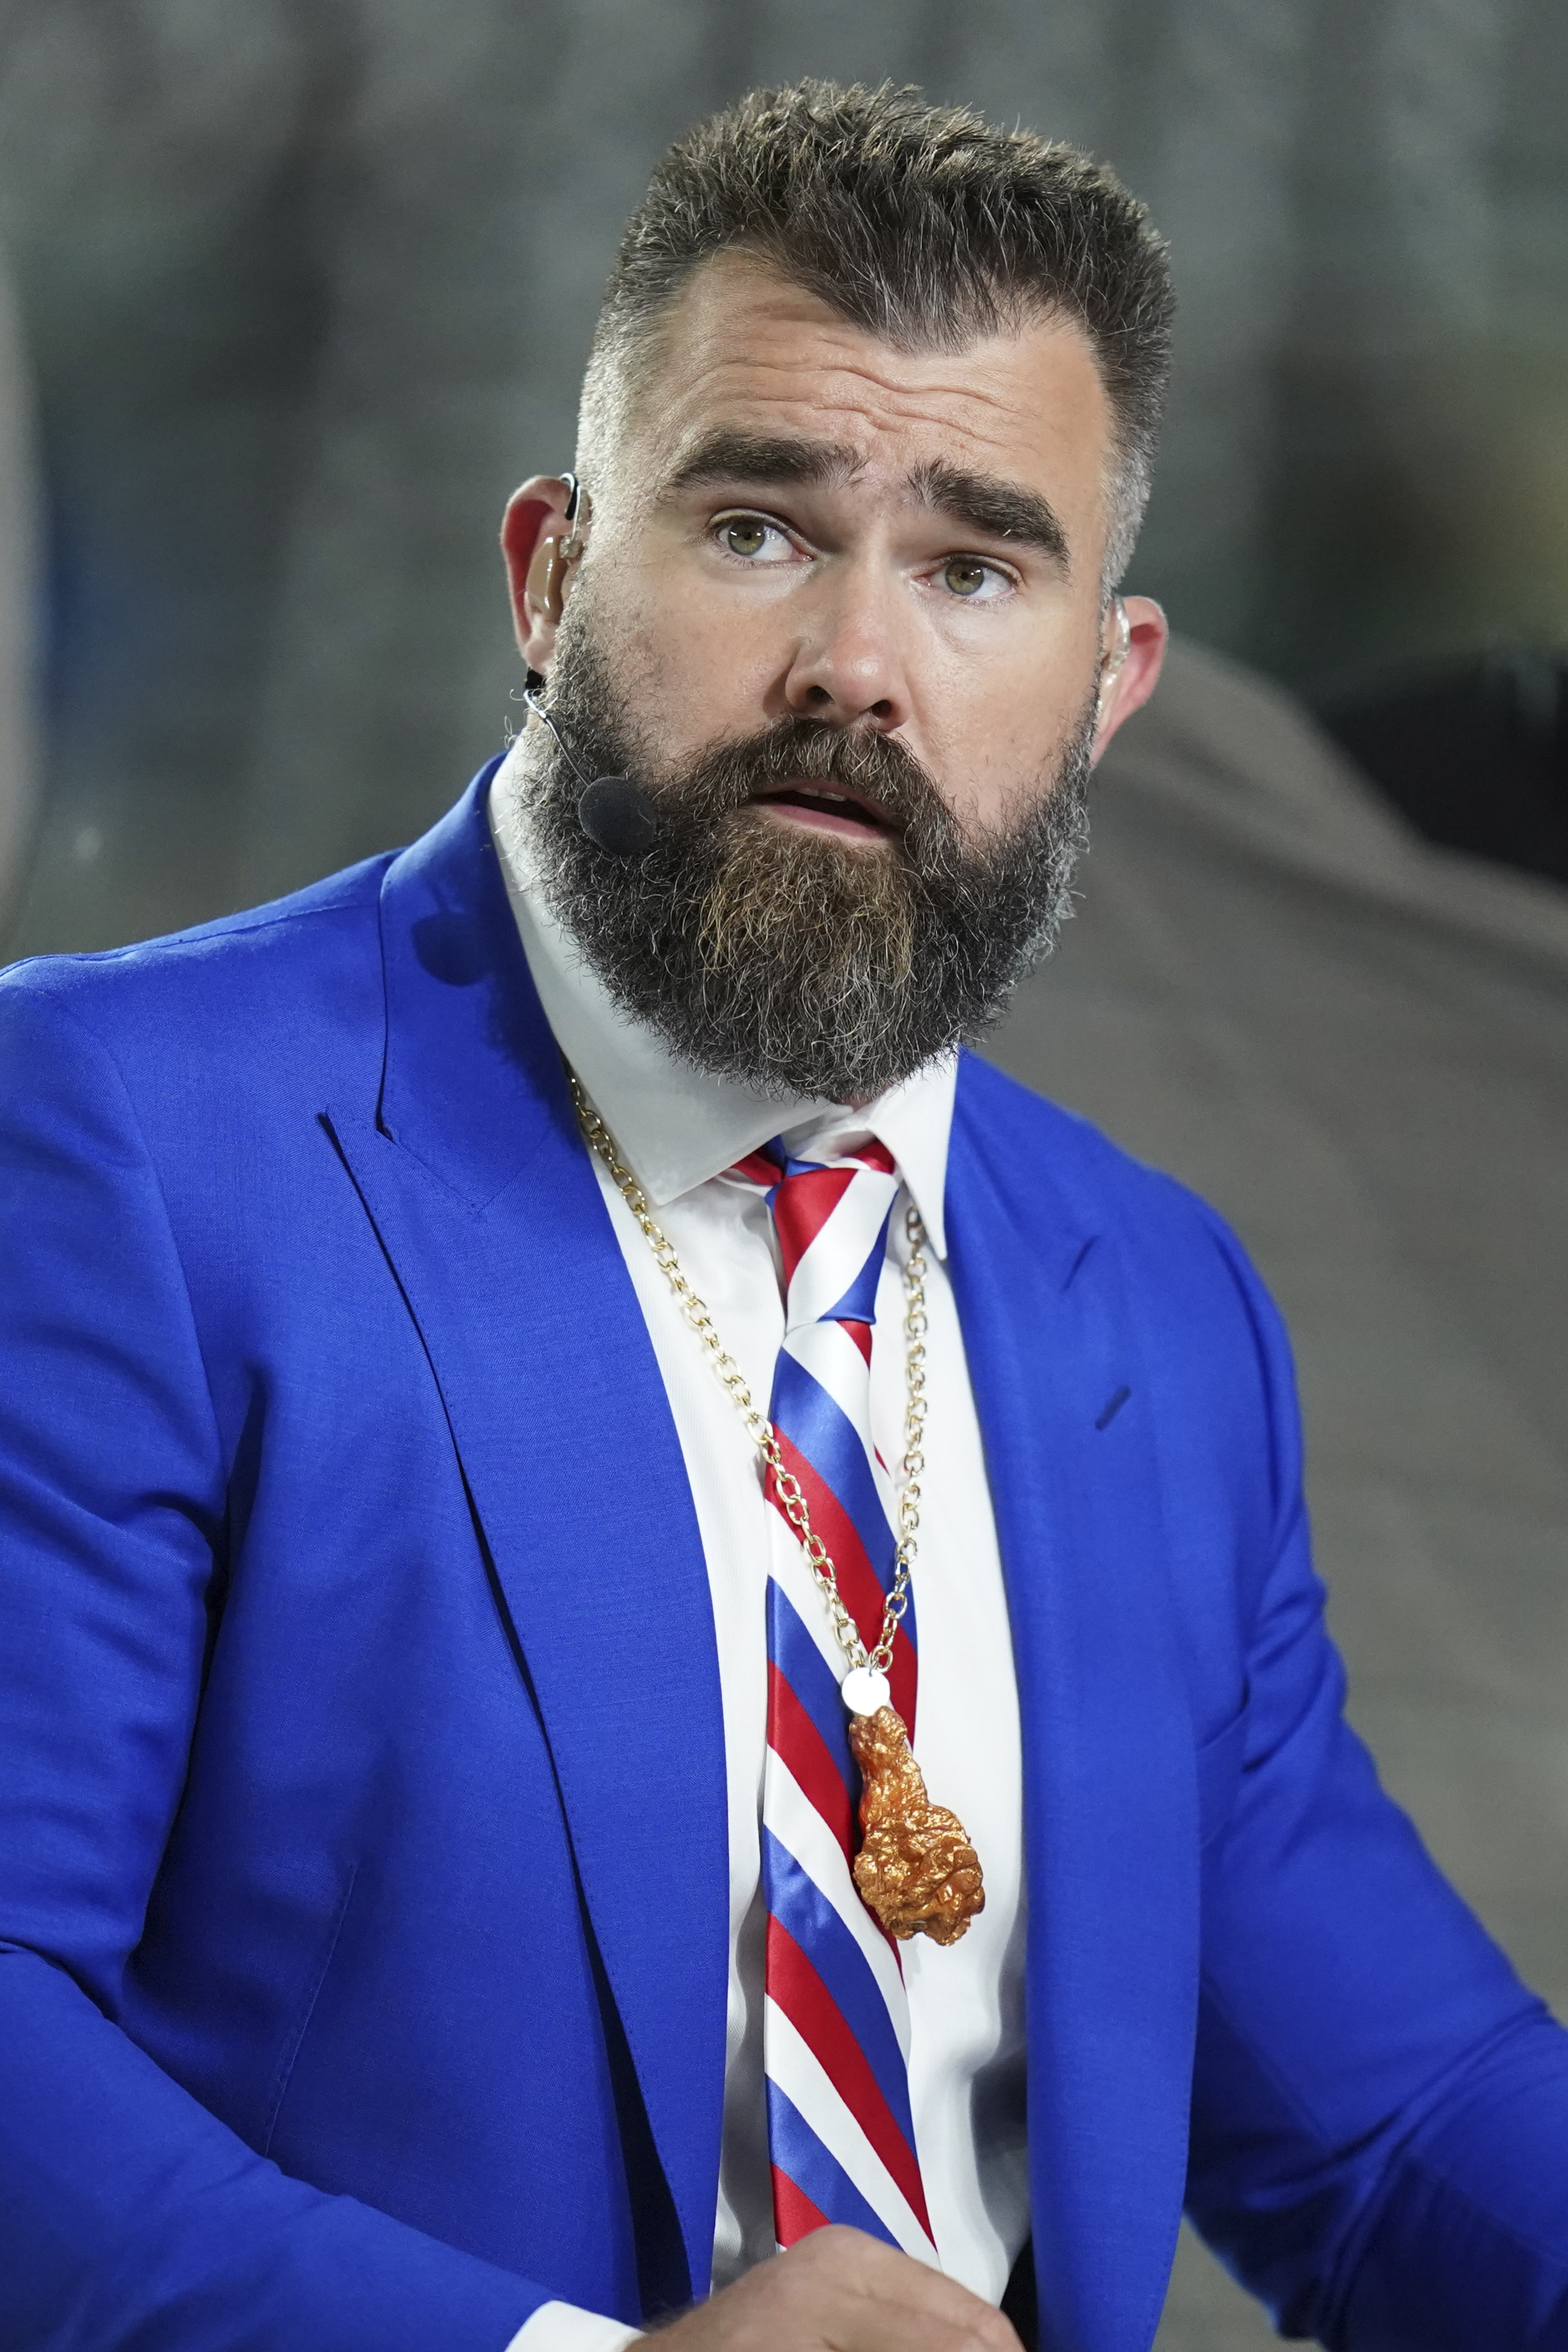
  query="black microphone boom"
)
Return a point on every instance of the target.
[{"x": 617, "y": 815}]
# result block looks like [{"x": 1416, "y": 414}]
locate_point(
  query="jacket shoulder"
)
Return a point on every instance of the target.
[{"x": 1099, "y": 1180}]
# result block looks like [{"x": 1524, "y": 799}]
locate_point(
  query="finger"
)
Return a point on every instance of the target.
[
  {"x": 919, "y": 2320},
  {"x": 880, "y": 2300}
]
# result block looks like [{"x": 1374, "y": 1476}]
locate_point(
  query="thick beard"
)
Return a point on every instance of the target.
[{"x": 790, "y": 961}]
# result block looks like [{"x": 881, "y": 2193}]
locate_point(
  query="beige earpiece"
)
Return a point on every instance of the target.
[
  {"x": 554, "y": 557},
  {"x": 1111, "y": 662}
]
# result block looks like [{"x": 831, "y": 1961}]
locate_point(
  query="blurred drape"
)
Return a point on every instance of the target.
[{"x": 309, "y": 284}]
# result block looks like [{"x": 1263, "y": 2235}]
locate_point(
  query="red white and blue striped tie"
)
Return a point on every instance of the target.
[{"x": 836, "y": 2019}]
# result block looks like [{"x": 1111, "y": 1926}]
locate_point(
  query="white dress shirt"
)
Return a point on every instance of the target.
[{"x": 681, "y": 1131}]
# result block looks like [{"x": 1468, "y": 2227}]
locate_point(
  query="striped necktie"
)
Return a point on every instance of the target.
[{"x": 836, "y": 2016}]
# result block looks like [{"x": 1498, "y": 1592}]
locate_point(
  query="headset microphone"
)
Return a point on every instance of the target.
[{"x": 617, "y": 815}]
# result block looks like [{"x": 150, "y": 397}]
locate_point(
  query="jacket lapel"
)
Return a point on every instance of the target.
[
  {"x": 1110, "y": 1803},
  {"x": 473, "y": 1171}
]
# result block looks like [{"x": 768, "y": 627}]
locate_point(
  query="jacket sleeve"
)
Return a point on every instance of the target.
[
  {"x": 1380, "y": 2117},
  {"x": 130, "y": 2218}
]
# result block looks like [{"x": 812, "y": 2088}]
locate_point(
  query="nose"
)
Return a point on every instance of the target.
[{"x": 850, "y": 666}]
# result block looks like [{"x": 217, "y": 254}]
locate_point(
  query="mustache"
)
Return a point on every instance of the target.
[
  {"x": 729, "y": 776},
  {"x": 704, "y": 805}
]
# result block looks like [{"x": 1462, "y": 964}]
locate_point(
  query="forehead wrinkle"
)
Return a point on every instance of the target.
[
  {"x": 877, "y": 424},
  {"x": 922, "y": 401},
  {"x": 852, "y": 349},
  {"x": 969, "y": 394}
]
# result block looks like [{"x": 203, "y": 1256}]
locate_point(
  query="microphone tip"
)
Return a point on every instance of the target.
[{"x": 618, "y": 816}]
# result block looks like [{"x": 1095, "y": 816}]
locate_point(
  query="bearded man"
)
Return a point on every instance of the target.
[{"x": 661, "y": 1659}]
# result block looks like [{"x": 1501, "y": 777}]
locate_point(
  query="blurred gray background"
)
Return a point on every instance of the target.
[
  {"x": 293, "y": 291},
  {"x": 306, "y": 285}
]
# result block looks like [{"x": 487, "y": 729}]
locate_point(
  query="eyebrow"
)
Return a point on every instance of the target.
[
  {"x": 996, "y": 509},
  {"x": 725, "y": 456},
  {"x": 984, "y": 503}
]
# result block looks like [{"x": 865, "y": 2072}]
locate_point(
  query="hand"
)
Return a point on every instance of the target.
[{"x": 839, "y": 2291}]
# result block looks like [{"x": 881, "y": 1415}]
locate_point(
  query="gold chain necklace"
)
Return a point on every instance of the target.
[
  {"x": 916, "y": 1869},
  {"x": 785, "y": 1484}
]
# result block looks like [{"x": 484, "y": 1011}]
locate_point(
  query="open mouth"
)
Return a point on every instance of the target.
[{"x": 828, "y": 808}]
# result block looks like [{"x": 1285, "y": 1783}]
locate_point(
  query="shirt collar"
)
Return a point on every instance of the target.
[{"x": 677, "y": 1126}]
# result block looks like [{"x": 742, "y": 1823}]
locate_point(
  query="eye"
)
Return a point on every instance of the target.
[
  {"x": 967, "y": 577},
  {"x": 753, "y": 538}
]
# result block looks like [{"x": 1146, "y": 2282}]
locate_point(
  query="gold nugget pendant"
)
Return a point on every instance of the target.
[{"x": 916, "y": 1869}]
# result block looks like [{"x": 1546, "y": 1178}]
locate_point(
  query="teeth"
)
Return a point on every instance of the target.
[{"x": 825, "y": 793}]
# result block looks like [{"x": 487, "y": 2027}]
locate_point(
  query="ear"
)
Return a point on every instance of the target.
[
  {"x": 1148, "y": 634},
  {"x": 534, "y": 535}
]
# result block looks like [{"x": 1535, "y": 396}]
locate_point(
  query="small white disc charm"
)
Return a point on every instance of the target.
[{"x": 864, "y": 1690}]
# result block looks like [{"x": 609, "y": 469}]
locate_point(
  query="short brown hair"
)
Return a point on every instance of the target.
[{"x": 920, "y": 223}]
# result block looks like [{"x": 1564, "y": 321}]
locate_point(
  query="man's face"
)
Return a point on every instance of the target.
[
  {"x": 840, "y": 613},
  {"x": 803, "y": 520}
]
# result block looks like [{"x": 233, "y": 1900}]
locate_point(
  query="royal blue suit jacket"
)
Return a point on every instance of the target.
[{"x": 363, "y": 1884}]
